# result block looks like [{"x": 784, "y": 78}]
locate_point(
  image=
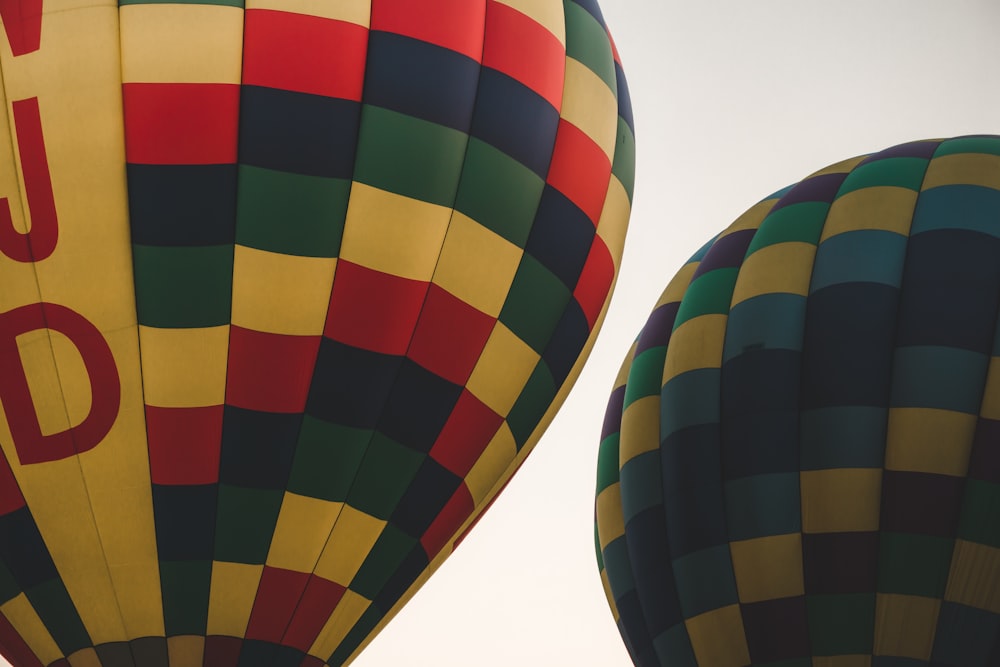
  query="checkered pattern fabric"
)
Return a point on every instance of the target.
[
  {"x": 363, "y": 248},
  {"x": 799, "y": 464}
]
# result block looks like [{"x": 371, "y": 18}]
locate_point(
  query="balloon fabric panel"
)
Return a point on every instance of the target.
[
  {"x": 800, "y": 441},
  {"x": 339, "y": 264}
]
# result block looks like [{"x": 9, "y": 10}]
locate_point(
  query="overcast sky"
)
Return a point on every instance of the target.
[{"x": 732, "y": 100}]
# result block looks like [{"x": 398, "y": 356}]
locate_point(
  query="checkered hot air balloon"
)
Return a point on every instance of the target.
[
  {"x": 800, "y": 463},
  {"x": 288, "y": 290}
]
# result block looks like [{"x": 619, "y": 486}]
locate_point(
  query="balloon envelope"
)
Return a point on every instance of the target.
[
  {"x": 800, "y": 462},
  {"x": 289, "y": 290}
]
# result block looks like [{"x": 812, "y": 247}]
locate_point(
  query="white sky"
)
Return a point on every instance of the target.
[{"x": 732, "y": 101}]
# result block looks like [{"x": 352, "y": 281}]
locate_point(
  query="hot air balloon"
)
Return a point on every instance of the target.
[
  {"x": 800, "y": 462},
  {"x": 288, "y": 290}
]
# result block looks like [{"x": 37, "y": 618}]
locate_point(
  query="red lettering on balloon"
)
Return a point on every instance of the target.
[
  {"x": 22, "y": 20},
  {"x": 105, "y": 388},
  {"x": 38, "y": 243}
]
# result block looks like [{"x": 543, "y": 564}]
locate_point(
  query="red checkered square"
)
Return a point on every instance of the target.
[
  {"x": 282, "y": 50},
  {"x": 269, "y": 372},
  {"x": 465, "y": 435},
  {"x": 456, "y": 510},
  {"x": 595, "y": 281},
  {"x": 278, "y": 594},
  {"x": 181, "y": 123},
  {"x": 524, "y": 50},
  {"x": 318, "y": 602},
  {"x": 450, "y": 336},
  {"x": 453, "y": 24},
  {"x": 184, "y": 444},
  {"x": 580, "y": 170},
  {"x": 373, "y": 310}
]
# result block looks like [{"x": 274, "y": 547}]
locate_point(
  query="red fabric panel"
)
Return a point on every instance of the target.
[
  {"x": 524, "y": 50},
  {"x": 269, "y": 372},
  {"x": 465, "y": 435},
  {"x": 14, "y": 648},
  {"x": 307, "y": 54},
  {"x": 278, "y": 593},
  {"x": 580, "y": 170},
  {"x": 22, "y": 21},
  {"x": 181, "y": 123},
  {"x": 318, "y": 602},
  {"x": 595, "y": 281},
  {"x": 184, "y": 444},
  {"x": 453, "y": 24},
  {"x": 450, "y": 336},
  {"x": 457, "y": 510},
  {"x": 373, "y": 310},
  {"x": 222, "y": 651}
]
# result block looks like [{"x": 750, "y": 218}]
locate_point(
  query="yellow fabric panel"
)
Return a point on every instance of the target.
[
  {"x": 281, "y": 294},
  {"x": 301, "y": 532},
  {"x": 751, "y": 218},
  {"x": 611, "y": 227},
  {"x": 591, "y": 106},
  {"x": 186, "y": 651},
  {"x": 768, "y": 568},
  {"x": 184, "y": 368},
  {"x": 86, "y": 657},
  {"x": 840, "y": 500},
  {"x": 477, "y": 265},
  {"x": 352, "y": 11},
  {"x": 502, "y": 370},
  {"x": 842, "y": 661},
  {"x": 234, "y": 587},
  {"x": 697, "y": 343},
  {"x": 974, "y": 578},
  {"x": 914, "y": 438},
  {"x": 905, "y": 625},
  {"x": 164, "y": 43},
  {"x": 678, "y": 285},
  {"x": 354, "y": 534},
  {"x": 963, "y": 169},
  {"x": 784, "y": 268},
  {"x": 990, "y": 408},
  {"x": 392, "y": 233},
  {"x": 884, "y": 207},
  {"x": 490, "y": 466},
  {"x": 547, "y": 13},
  {"x": 610, "y": 521},
  {"x": 717, "y": 638},
  {"x": 100, "y": 529},
  {"x": 24, "y": 619},
  {"x": 640, "y": 430},
  {"x": 348, "y": 611}
]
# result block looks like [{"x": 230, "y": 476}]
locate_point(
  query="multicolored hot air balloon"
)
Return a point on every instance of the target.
[
  {"x": 288, "y": 290},
  {"x": 800, "y": 463}
]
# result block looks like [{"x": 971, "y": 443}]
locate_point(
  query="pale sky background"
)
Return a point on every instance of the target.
[{"x": 732, "y": 101}]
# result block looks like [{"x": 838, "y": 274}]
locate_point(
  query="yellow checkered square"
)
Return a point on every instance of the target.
[
  {"x": 697, "y": 343},
  {"x": 488, "y": 468},
  {"x": 640, "y": 431},
  {"x": 301, "y": 532},
  {"x": 705, "y": 631},
  {"x": 882, "y": 207},
  {"x": 974, "y": 579},
  {"x": 184, "y": 368},
  {"x": 915, "y": 437},
  {"x": 591, "y": 106},
  {"x": 781, "y": 268},
  {"x": 233, "y": 589},
  {"x": 503, "y": 369},
  {"x": 963, "y": 169},
  {"x": 354, "y": 534},
  {"x": 905, "y": 625},
  {"x": 768, "y": 568},
  {"x": 841, "y": 499}
]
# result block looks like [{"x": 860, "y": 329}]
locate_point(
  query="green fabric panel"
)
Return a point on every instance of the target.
[
  {"x": 8, "y": 587},
  {"x": 689, "y": 399},
  {"x": 185, "y": 585},
  {"x": 587, "y": 42},
  {"x": 673, "y": 647},
  {"x": 409, "y": 156},
  {"x": 534, "y": 304},
  {"x": 245, "y": 523},
  {"x": 900, "y": 172},
  {"x": 607, "y": 462},
  {"x": 293, "y": 214},
  {"x": 389, "y": 550},
  {"x": 841, "y": 624},
  {"x": 530, "y": 406},
  {"x": 54, "y": 606},
  {"x": 327, "y": 458},
  {"x": 708, "y": 294},
  {"x": 844, "y": 436},
  {"x": 763, "y": 505},
  {"x": 937, "y": 376},
  {"x": 980, "y": 507},
  {"x": 801, "y": 222},
  {"x": 179, "y": 287},
  {"x": 645, "y": 378},
  {"x": 705, "y": 580},
  {"x": 642, "y": 484},
  {"x": 623, "y": 165},
  {"x": 383, "y": 477},
  {"x": 773, "y": 321},
  {"x": 912, "y": 564},
  {"x": 988, "y": 145},
  {"x": 499, "y": 192}
]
